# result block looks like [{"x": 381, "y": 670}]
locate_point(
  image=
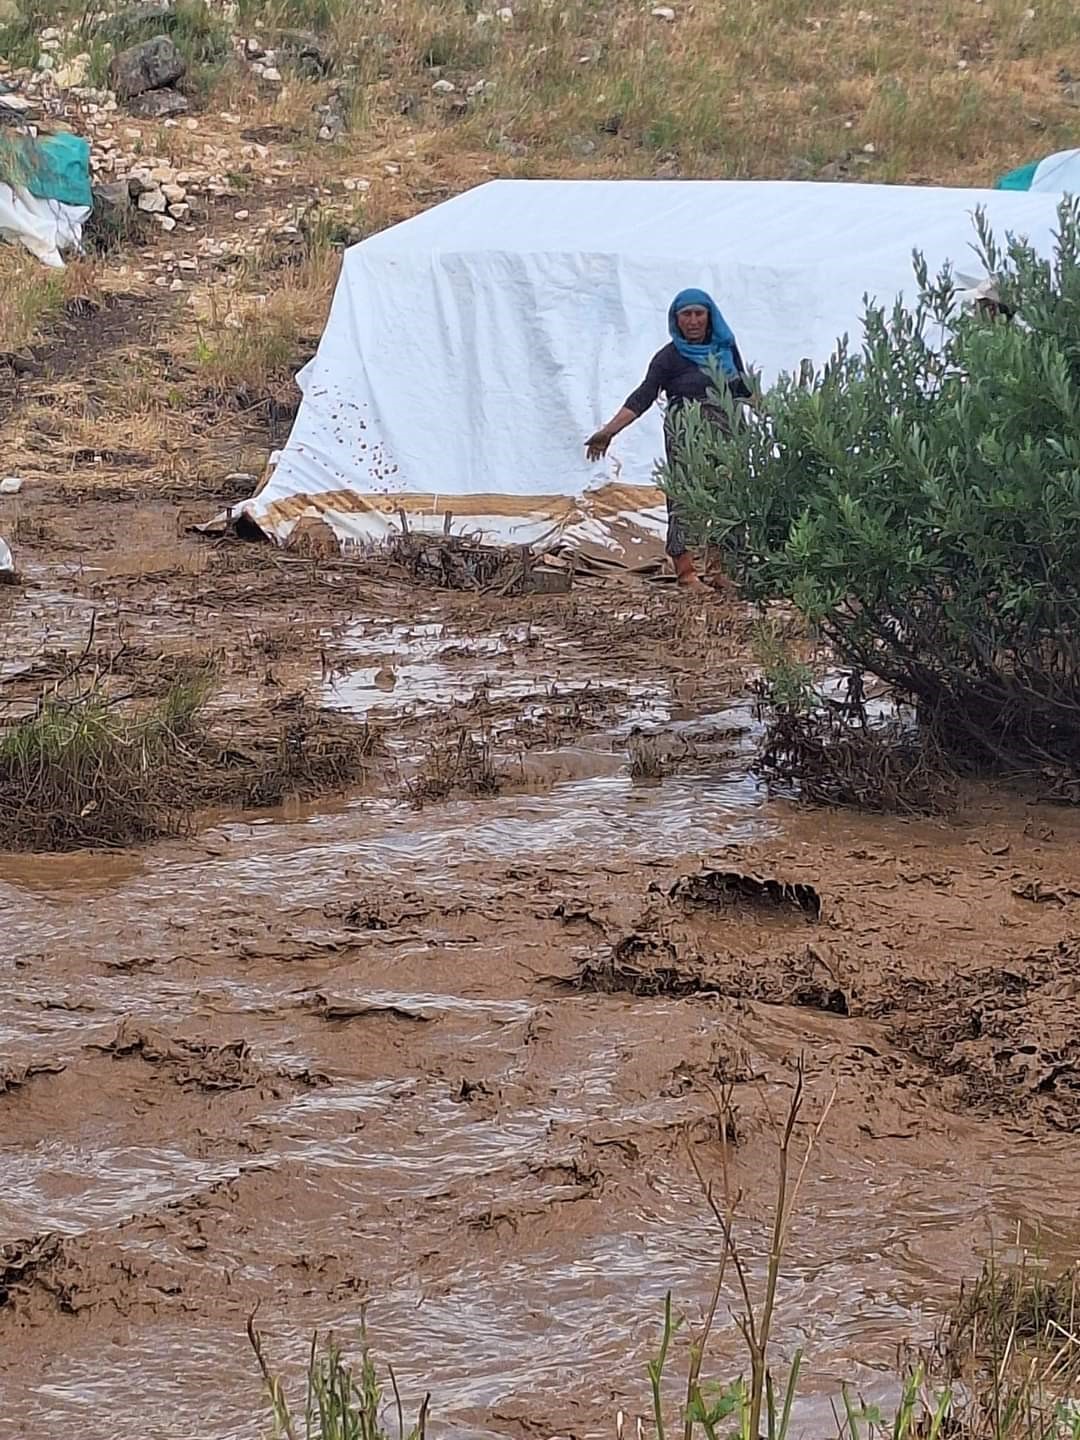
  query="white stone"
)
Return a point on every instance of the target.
[
  {"x": 11, "y": 485},
  {"x": 191, "y": 125},
  {"x": 153, "y": 202},
  {"x": 180, "y": 211},
  {"x": 173, "y": 193},
  {"x": 45, "y": 62},
  {"x": 870, "y": 149},
  {"x": 50, "y": 34},
  {"x": 162, "y": 174},
  {"x": 189, "y": 264},
  {"x": 477, "y": 89},
  {"x": 176, "y": 286},
  {"x": 254, "y": 48},
  {"x": 444, "y": 87},
  {"x": 166, "y": 222},
  {"x": 242, "y": 215},
  {"x": 663, "y": 12},
  {"x": 506, "y": 15},
  {"x": 74, "y": 73}
]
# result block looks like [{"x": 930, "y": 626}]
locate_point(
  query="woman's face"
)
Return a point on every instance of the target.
[{"x": 693, "y": 323}]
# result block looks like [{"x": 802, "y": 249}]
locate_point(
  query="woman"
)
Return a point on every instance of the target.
[{"x": 700, "y": 339}]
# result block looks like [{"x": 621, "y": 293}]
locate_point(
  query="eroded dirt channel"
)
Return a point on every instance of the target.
[{"x": 336, "y": 1053}]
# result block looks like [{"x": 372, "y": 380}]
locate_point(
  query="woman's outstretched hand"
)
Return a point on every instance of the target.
[{"x": 596, "y": 447}]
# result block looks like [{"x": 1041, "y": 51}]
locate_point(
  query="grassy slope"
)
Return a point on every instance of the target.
[{"x": 935, "y": 91}]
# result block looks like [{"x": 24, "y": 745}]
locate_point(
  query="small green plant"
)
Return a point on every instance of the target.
[
  {"x": 786, "y": 682},
  {"x": 341, "y": 1402},
  {"x": 707, "y": 1405},
  {"x": 918, "y": 1416}
]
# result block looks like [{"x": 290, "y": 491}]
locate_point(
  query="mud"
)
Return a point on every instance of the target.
[{"x": 447, "y": 1061}]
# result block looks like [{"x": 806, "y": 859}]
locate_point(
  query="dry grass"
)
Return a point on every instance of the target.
[
  {"x": 953, "y": 91},
  {"x": 460, "y": 764},
  {"x": 830, "y": 760},
  {"x": 32, "y": 298},
  {"x": 90, "y": 767},
  {"x": 250, "y": 340}
]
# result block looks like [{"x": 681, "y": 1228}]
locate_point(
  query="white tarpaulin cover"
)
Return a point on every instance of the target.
[
  {"x": 470, "y": 351},
  {"x": 1058, "y": 173},
  {"x": 45, "y": 227}
]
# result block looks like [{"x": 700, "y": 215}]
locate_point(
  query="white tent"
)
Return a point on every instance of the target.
[
  {"x": 471, "y": 350},
  {"x": 1058, "y": 173}
]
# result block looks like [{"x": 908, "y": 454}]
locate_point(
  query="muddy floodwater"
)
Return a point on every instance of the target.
[{"x": 341, "y": 1053}]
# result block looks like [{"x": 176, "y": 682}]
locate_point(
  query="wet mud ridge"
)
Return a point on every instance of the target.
[{"x": 446, "y": 1058}]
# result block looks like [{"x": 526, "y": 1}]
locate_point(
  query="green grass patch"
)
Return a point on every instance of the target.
[{"x": 90, "y": 768}]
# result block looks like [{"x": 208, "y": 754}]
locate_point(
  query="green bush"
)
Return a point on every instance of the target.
[{"x": 919, "y": 501}]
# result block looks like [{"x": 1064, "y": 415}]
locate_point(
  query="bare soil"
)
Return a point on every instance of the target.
[{"x": 448, "y": 1059}]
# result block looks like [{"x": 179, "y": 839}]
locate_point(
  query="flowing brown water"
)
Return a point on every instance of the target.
[{"x": 316, "y": 1058}]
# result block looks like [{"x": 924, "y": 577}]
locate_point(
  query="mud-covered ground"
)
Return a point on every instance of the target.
[{"x": 444, "y": 1053}]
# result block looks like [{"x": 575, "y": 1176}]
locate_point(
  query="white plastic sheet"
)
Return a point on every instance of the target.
[
  {"x": 1058, "y": 174},
  {"x": 45, "y": 227},
  {"x": 470, "y": 351}
]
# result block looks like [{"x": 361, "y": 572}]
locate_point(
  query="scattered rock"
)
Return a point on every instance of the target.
[
  {"x": 115, "y": 196},
  {"x": 17, "y": 105},
  {"x": 173, "y": 193},
  {"x": 444, "y": 87},
  {"x": 333, "y": 119},
  {"x": 74, "y": 73},
  {"x": 149, "y": 66},
  {"x": 11, "y": 485},
  {"x": 153, "y": 202},
  {"x": 663, "y": 12},
  {"x": 506, "y": 15},
  {"x": 160, "y": 104},
  {"x": 271, "y": 75},
  {"x": 306, "y": 50},
  {"x": 125, "y": 23}
]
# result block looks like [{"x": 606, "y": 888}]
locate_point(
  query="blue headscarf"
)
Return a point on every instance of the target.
[{"x": 719, "y": 347}]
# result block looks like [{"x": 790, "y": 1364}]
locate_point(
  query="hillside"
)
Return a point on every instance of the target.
[{"x": 299, "y": 125}]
